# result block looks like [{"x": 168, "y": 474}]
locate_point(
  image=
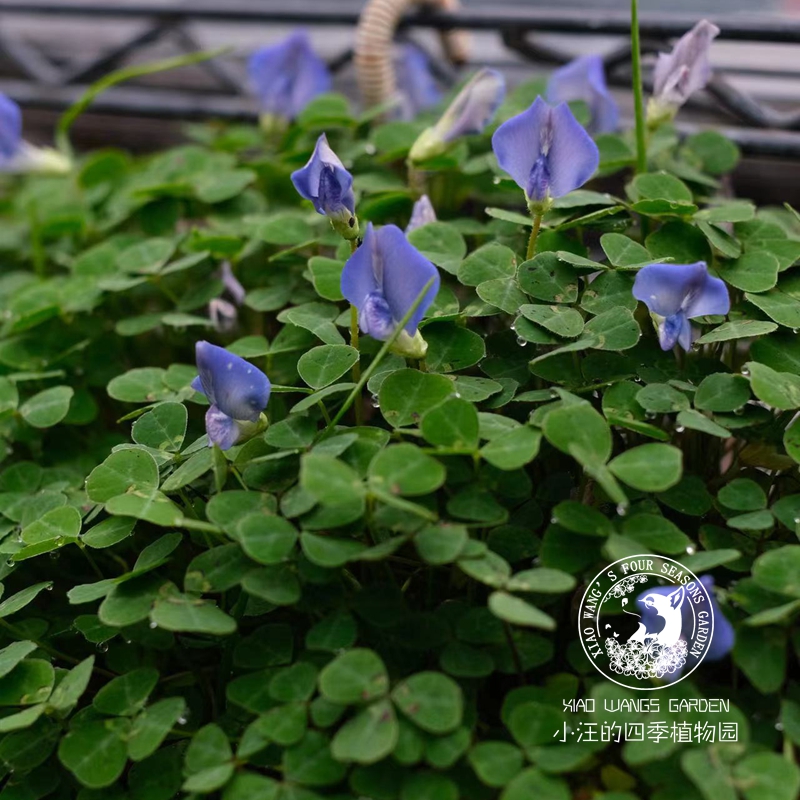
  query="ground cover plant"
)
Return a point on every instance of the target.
[{"x": 313, "y": 432}]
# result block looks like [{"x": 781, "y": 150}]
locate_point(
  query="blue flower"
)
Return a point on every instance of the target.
[
  {"x": 676, "y": 293},
  {"x": 415, "y": 82},
  {"x": 721, "y": 640},
  {"x": 10, "y": 128},
  {"x": 422, "y": 213},
  {"x": 546, "y": 151},
  {"x": 682, "y": 72},
  {"x": 238, "y": 393},
  {"x": 382, "y": 279},
  {"x": 470, "y": 112},
  {"x": 16, "y": 155},
  {"x": 585, "y": 79},
  {"x": 329, "y": 186},
  {"x": 288, "y": 75}
]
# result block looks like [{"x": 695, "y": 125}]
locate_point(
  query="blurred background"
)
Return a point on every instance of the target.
[{"x": 50, "y": 50}]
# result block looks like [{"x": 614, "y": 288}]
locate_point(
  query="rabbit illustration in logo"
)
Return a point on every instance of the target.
[{"x": 668, "y": 607}]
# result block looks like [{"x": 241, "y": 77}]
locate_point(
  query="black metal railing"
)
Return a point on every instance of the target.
[{"x": 44, "y": 82}]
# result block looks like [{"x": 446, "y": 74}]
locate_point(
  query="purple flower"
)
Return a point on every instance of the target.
[
  {"x": 546, "y": 151},
  {"x": 238, "y": 393},
  {"x": 288, "y": 75},
  {"x": 585, "y": 79},
  {"x": 329, "y": 186},
  {"x": 676, "y": 293},
  {"x": 382, "y": 279},
  {"x": 231, "y": 283},
  {"x": 682, "y": 72},
  {"x": 722, "y": 638},
  {"x": 422, "y": 213},
  {"x": 470, "y": 112},
  {"x": 415, "y": 82},
  {"x": 16, "y": 155}
]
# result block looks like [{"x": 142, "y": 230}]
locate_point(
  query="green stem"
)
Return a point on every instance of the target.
[
  {"x": 356, "y": 371},
  {"x": 403, "y": 505},
  {"x": 356, "y": 391},
  {"x": 112, "y": 79},
  {"x": 638, "y": 100},
  {"x": 537, "y": 223}
]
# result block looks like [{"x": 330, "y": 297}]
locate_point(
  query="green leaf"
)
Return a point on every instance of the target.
[
  {"x": 47, "y": 408},
  {"x": 403, "y": 469},
  {"x": 276, "y": 584},
  {"x": 208, "y": 763},
  {"x": 58, "y": 524},
  {"x": 495, "y": 763},
  {"x": 452, "y": 347},
  {"x": 722, "y": 392},
  {"x": 310, "y": 762},
  {"x": 504, "y": 293},
  {"x": 329, "y": 480},
  {"x": 580, "y": 518},
  {"x": 547, "y": 278},
  {"x": 12, "y": 654},
  {"x": 29, "y": 683},
  {"x": 163, "y": 428},
  {"x": 323, "y": 365},
  {"x": 369, "y": 736},
  {"x": 661, "y": 398},
  {"x": 649, "y": 467},
  {"x": 431, "y": 700},
  {"x": 767, "y": 776},
  {"x": 21, "y": 599},
  {"x": 151, "y": 506},
  {"x": 609, "y": 291},
  {"x": 153, "y": 725},
  {"x": 441, "y": 243},
  {"x": 623, "y": 251},
  {"x": 109, "y": 532},
  {"x": 408, "y": 394},
  {"x": 713, "y": 779},
  {"x": 779, "y": 570},
  {"x": 94, "y": 752},
  {"x": 778, "y": 305},
  {"x": 492, "y": 261},
  {"x": 533, "y": 783},
  {"x": 335, "y": 632},
  {"x": 752, "y": 272},
  {"x": 72, "y": 686},
  {"x": 452, "y": 424},
  {"x": 513, "y": 449},
  {"x": 187, "y": 614},
  {"x": 329, "y": 551},
  {"x": 656, "y": 533},
  {"x": 148, "y": 256},
  {"x": 266, "y": 539},
  {"x": 566, "y": 322},
  {"x": 776, "y": 389},
  {"x": 542, "y": 580},
  {"x": 121, "y": 472},
  {"x": 579, "y": 431},
  {"x": 326, "y": 274},
  {"x": 355, "y": 676},
  {"x": 441, "y": 544},
  {"x": 519, "y": 612},
  {"x": 127, "y": 694},
  {"x": 742, "y": 494},
  {"x": 615, "y": 329}
]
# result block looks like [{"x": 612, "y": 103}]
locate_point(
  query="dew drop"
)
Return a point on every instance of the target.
[
  {"x": 49, "y": 588},
  {"x": 745, "y": 372},
  {"x": 795, "y": 330},
  {"x": 54, "y": 555},
  {"x": 10, "y": 562},
  {"x": 622, "y": 509},
  {"x": 690, "y": 550},
  {"x": 370, "y": 149},
  {"x": 680, "y": 429},
  {"x": 153, "y": 626},
  {"x": 375, "y": 402},
  {"x": 495, "y": 181},
  {"x": 521, "y": 341},
  {"x": 553, "y": 393},
  {"x": 457, "y": 395},
  {"x": 739, "y": 411},
  {"x": 778, "y": 726},
  {"x": 103, "y": 647},
  {"x": 184, "y": 719},
  {"x": 650, "y": 415},
  {"x": 797, "y": 520}
]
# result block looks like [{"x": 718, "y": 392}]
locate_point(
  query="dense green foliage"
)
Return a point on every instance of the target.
[{"x": 383, "y": 611}]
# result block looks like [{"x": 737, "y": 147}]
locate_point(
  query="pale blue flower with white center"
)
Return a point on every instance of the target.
[
  {"x": 546, "y": 151},
  {"x": 286, "y": 76},
  {"x": 585, "y": 79},
  {"x": 470, "y": 112},
  {"x": 17, "y": 155},
  {"x": 722, "y": 639},
  {"x": 681, "y": 73},
  {"x": 329, "y": 186},
  {"x": 238, "y": 393},
  {"x": 421, "y": 214},
  {"x": 677, "y": 293},
  {"x": 382, "y": 279},
  {"x": 416, "y": 85}
]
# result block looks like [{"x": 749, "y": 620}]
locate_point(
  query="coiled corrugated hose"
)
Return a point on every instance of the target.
[{"x": 373, "y": 49}]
